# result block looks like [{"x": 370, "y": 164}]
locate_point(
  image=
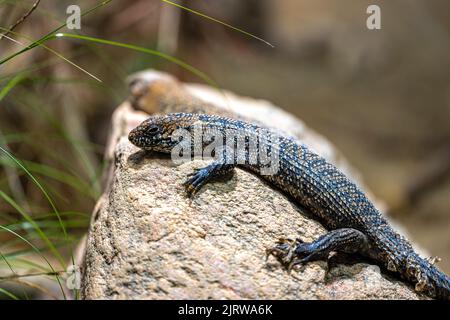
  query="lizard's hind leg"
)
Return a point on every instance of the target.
[{"x": 340, "y": 240}]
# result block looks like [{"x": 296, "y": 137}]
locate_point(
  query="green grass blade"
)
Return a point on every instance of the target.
[
  {"x": 22, "y": 263},
  {"x": 61, "y": 176},
  {"x": 44, "y": 237},
  {"x": 8, "y": 294},
  {"x": 56, "y": 54},
  {"x": 92, "y": 172},
  {"x": 27, "y": 251},
  {"x": 157, "y": 53},
  {"x": 40, "y": 254},
  {"x": 51, "y": 33},
  {"x": 48, "y": 225},
  {"x": 218, "y": 21},
  {"x": 36, "y": 182},
  {"x": 11, "y": 84},
  {"x": 12, "y": 270}
]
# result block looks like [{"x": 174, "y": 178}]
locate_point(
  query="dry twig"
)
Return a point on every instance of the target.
[{"x": 22, "y": 19}]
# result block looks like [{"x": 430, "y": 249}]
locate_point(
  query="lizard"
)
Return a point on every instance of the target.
[
  {"x": 157, "y": 92},
  {"x": 354, "y": 223}
]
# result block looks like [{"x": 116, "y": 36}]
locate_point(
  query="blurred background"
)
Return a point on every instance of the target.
[{"x": 381, "y": 96}]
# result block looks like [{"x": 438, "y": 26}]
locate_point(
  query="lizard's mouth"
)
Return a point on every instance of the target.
[
  {"x": 150, "y": 142},
  {"x": 139, "y": 139}
]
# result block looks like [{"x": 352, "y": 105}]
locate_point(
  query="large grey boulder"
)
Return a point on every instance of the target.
[{"x": 149, "y": 241}]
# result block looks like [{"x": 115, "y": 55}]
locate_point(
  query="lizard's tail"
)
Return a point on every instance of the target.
[
  {"x": 403, "y": 259},
  {"x": 427, "y": 277}
]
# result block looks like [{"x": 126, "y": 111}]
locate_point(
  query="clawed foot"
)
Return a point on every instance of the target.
[
  {"x": 202, "y": 176},
  {"x": 196, "y": 180},
  {"x": 286, "y": 252},
  {"x": 292, "y": 253}
]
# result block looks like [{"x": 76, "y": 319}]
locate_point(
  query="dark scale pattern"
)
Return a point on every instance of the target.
[{"x": 355, "y": 223}]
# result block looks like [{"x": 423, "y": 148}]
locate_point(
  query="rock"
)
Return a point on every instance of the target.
[{"x": 147, "y": 240}]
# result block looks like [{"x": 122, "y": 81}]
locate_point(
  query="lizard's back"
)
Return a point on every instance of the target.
[
  {"x": 323, "y": 189},
  {"x": 307, "y": 177}
]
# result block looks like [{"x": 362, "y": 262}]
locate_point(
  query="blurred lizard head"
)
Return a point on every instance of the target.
[{"x": 160, "y": 133}]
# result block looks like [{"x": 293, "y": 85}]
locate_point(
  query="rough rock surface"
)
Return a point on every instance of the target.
[{"x": 148, "y": 241}]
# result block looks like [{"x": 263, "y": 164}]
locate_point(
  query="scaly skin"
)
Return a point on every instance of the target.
[
  {"x": 156, "y": 92},
  {"x": 355, "y": 224}
]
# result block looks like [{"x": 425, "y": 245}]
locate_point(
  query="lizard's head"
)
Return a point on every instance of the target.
[{"x": 157, "y": 132}]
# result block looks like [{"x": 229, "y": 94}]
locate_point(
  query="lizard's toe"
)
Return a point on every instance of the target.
[
  {"x": 283, "y": 251},
  {"x": 194, "y": 172},
  {"x": 291, "y": 253},
  {"x": 196, "y": 180}
]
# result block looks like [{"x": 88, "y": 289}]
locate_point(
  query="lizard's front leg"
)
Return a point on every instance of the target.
[
  {"x": 201, "y": 176},
  {"x": 340, "y": 240}
]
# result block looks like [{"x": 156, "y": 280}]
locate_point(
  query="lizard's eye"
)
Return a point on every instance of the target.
[{"x": 153, "y": 130}]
